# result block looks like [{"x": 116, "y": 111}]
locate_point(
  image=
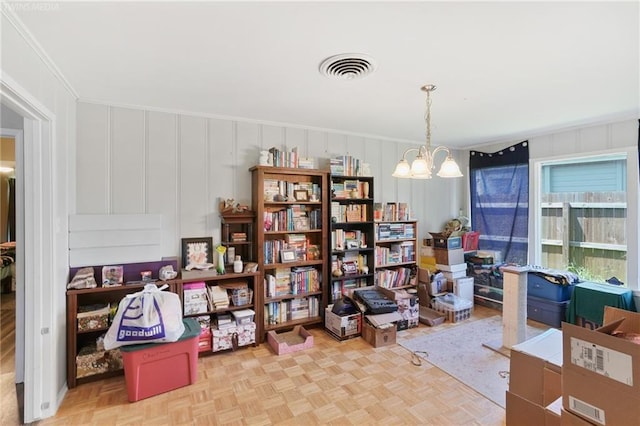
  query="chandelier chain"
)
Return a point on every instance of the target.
[{"x": 427, "y": 119}]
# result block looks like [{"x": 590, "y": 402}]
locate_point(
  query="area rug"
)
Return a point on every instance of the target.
[{"x": 461, "y": 352}]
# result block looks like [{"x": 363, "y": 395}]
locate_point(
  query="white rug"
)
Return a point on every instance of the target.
[{"x": 460, "y": 352}]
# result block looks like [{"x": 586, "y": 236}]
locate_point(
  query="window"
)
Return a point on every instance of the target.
[
  {"x": 499, "y": 188},
  {"x": 582, "y": 216}
]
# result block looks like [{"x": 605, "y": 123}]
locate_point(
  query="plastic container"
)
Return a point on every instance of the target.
[
  {"x": 454, "y": 307},
  {"x": 538, "y": 286},
  {"x": 546, "y": 311},
  {"x": 154, "y": 368}
]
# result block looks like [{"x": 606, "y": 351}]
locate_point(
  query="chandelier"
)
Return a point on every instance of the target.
[{"x": 422, "y": 165}]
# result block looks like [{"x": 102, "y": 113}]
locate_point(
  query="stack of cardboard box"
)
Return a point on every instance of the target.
[
  {"x": 601, "y": 371},
  {"x": 449, "y": 255},
  {"x": 535, "y": 375}
]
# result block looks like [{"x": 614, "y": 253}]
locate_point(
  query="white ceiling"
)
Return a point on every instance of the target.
[{"x": 504, "y": 70}]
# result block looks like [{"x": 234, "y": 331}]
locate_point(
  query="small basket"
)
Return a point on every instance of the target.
[{"x": 242, "y": 296}]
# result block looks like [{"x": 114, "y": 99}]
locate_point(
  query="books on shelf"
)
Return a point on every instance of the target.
[
  {"x": 290, "y": 310},
  {"x": 391, "y": 212}
]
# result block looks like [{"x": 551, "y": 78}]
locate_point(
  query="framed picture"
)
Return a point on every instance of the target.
[
  {"x": 301, "y": 224},
  {"x": 287, "y": 255},
  {"x": 197, "y": 251},
  {"x": 301, "y": 195}
]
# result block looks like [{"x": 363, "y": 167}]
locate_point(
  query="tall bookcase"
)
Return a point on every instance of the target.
[
  {"x": 291, "y": 232},
  {"x": 396, "y": 252},
  {"x": 352, "y": 235}
]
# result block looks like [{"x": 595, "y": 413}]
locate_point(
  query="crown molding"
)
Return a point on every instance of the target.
[{"x": 8, "y": 12}]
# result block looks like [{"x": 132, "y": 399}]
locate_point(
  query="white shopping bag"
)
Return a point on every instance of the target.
[{"x": 148, "y": 316}]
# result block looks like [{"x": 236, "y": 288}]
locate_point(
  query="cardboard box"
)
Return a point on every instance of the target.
[
  {"x": 521, "y": 412},
  {"x": 90, "y": 361},
  {"x": 408, "y": 307},
  {"x": 449, "y": 257},
  {"x": 527, "y": 365},
  {"x": 295, "y": 340},
  {"x": 570, "y": 419},
  {"x": 460, "y": 267},
  {"x": 446, "y": 242},
  {"x": 233, "y": 337},
  {"x": 380, "y": 330},
  {"x": 93, "y": 317},
  {"x": 601, "y": 372},
  {"x": 552, "y": 412},
  {"x": 342, "y": 327},
  {"x": 204, "y": 340}
]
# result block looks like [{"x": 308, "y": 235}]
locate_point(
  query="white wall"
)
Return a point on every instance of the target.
[
  {"x": 29, "y": 68},
  {"x": 180, "y": 165}
]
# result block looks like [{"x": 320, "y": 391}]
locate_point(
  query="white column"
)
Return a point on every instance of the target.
[{"x": 514, "y": 305}]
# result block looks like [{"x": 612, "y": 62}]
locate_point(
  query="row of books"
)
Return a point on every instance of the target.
[
  {"x": 291, "y": 310},
  {"x": 350, "y": 189},
  {"x": 390, "y": 212},
  {"x": 292, "y": 281},
  {"x": 348, "y": 212},
  {"x": 279, "y": 251},
  {"x": 395, "y": 231},
  {"x": 284, "y": 158},
  {"x": 342, "y": 239},
  {"x": 391, "y": 278},
  {"x": 273, "y": 187},
  {"x": 346, "y": 165},
  {"x": 346, "y": 288},
  {"x": 294, "y": 218},
  {"x": 396, "y": 253}
]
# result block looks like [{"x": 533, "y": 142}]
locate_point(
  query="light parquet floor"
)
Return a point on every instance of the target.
[{"x": 333, "y": 383}]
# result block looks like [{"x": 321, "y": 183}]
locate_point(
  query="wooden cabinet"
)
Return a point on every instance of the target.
[
  {"x": 237, "y": 235},
  {"x": 291, "y": 244},
  {"x": 351, "y": 251},
  {"x": 396, "y": 252},
  {"x": 79, "y": 339}
]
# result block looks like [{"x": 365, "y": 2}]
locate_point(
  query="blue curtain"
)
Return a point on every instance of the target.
[{"x": 499, "y": 185}]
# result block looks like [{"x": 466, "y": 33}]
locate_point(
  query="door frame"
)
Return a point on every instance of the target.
[{"x": 35, "y": 256}]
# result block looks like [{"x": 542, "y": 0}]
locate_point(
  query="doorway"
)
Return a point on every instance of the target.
[
  {"x": 11, "y": 366},
  {"x": 38, "y": 347}
]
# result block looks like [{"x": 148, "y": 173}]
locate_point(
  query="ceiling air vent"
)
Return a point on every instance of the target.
[{"x": 348, "y": 66}]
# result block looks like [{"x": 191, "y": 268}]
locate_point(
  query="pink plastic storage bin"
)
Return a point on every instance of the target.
[{"x": 154, "y": 368}]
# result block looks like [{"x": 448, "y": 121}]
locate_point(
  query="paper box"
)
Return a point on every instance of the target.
[
  {"x": 342, "y": 327},
  {"x": 93, "y": 317},
  {"x": 287, "y": 342},
  {"x": 601, "y": 372},
  {"x": 441, "y": 241},
  {"x": 233, "y": 337},
  {"x": 570, "y": 419},
  {"x": 460, "y": 267},
  {"x": 449, "y": 257},
  {"x": 90, "y": 361},
  {"x": 408, "y": 307},
  {"x": 552, "y": 412},
  {"x": 380, "y": 330},
  {"x": 527, "y": 365},
  {"x": 522, "y": 412}
]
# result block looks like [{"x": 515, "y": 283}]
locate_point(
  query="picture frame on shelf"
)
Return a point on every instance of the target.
[
  {"x": 197, "y": 251},
  {"x": 301, "y": 195},
  {"x": 301, "y": 224},
  {"x": 287, "y": 255}
]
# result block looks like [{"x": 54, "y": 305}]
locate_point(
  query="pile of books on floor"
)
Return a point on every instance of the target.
[{"x": 218, "y": 297}]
